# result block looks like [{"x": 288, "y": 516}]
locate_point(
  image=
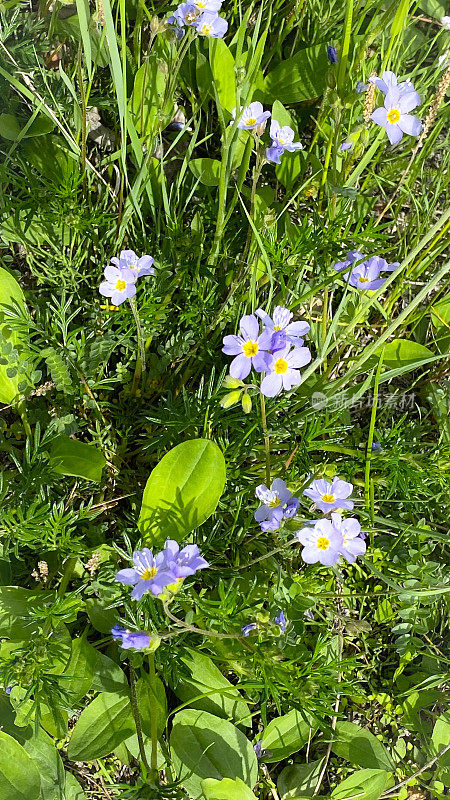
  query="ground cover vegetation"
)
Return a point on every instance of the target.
[{"x": 224, "y": 438}]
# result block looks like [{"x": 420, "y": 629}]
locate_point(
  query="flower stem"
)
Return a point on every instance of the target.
[
  {"x": 266, "y": 438},
  {"x": 154, "y": 717},
  {"x": 140, "y": 357},
  {"x": 137, "y": 718},
  {"x": 256, "y": 175},
  {"x": 368, "y": 484}
]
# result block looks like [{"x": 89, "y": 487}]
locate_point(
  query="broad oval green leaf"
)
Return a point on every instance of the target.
[
  {"x": 441, "y": 737},
  {"x": 182, "y": 491},
  {"x": 205, "y": 746},
  {"x": 207, "y": 170},
  {"x": 300, "y": 78},
  {"x": 296, "y": 780},
  {"x": 70, "y": 457},
  {"x": 19, "y": 776},
  {"x": 105, "y": 723},
  {"x": 222, "y": 68},
  {"x": 286, "y": 735},
  {"x": 404, "y": 351},
  {"x": 365, "y": 784},
  {"x": 204, "y": 677},
  {"x": 360, "y": 747},
  {"x": 49, "y": 764},
  {"x": 10, "y": 292},
  {"x": 150, "y": 703},
  {"x": 226, "y": 789},
  {"x": 17, "y": 611}
]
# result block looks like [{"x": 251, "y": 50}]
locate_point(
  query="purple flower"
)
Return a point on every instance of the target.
[
  {"x": 141, "y": 265},
  {"x": 360, "y": 87},
  {"x": 366, "y": 274},
  {"x": 210, "y": 24},
  {"x": 394, "y": 115},
  {"x": 250, "y": 349},
  {"x": 350, "y": 530},
  {"x": 376, "y": 447},
  {"x": 120, "y": 284},
  {"x": 330, "y": 496},
  {"x": 257, "y": 747},
  {"x": 247, "y": 629},
  {"x": 346, "y": 146},
  {"x": 283, "y": 370},
  {"x": 183, "y": 562},
  {"x": 281, "y": 621},
  {"x": 282, "y": 139},
  {"x": 282, "y": 329},
  {"x": 389, "y": 82},
  {"x": 131, "y": 640},
  {"x": 208, "y": 5},
  {"x": 185, "y": 14},
  {"x": 322, "y": 543},
  {"x": 332, "y": 54},
  {"x": 252, "y": 116},
  {"x": 150, "y": 573},
  {"x": 277, "y": 502},
  {"x": 8, "y": 689}
]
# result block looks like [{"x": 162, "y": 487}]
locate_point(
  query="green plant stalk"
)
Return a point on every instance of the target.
[
  {"x": 223, "y": 186},
  {"x": 256, "y": 175},
  {"x": 137, "y": 718},
  {"x": 22, "y": 409},
  {"x": 67, "y": 574},
  {"x": 324, "y": 323},
  {"x": 154, "y": 717},
  {"x": 343, "y": 58},
  {"x": 83, "y": 116},
  {"x": 368, "y": 495},
  {"x": 266, "y": 437},
  {"x": 140, "y": 357}
]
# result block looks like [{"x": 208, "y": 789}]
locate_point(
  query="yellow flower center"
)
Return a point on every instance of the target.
[
  {"x": 148, "y": 573},
  {"x": 277, "y": 327},
  {"x": 323, "y": 543},
  {"x": 274, "y": 503},
  {"x": 281, "y": 141},
  {"x": 250, "y": 121},
  {"x": 328, "y": 498},
  {"x": 280, "y": 366},
  {"x": 206, "y": 29},
  {"x": 191, "y": 16},
  {"x": 393, "y": 115},
  {"x": 363, "y": 280},
  {"x": 250, "y": 349},
  {"x": 121, "y": 285}
]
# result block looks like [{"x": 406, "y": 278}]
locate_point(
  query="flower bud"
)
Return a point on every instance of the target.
[
  {"x": 246, "y": 403},
  {"x": 230, "y": 399},
  {"x": 232, "y": 383}
]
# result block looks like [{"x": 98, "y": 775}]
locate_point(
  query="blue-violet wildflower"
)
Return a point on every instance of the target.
[
  {"x": 281, "y": 621},
  {"x": 120, "y": 284},
  {"x": 322, "y": 543},
  {"x": 366, "y": 274},
  {"x": 149, "y": 574},
  {"x": 350, "y": 529},
  {"x": 283, "y": 370},
  {"x": 250, "y": 348},
  {"x": 141, "y": 265},
  {"x": 332, "y": 54},
  {"x": 277, "y": 503},
  {"x": 330, "y": 496},
  {"x": 252, "y": 116},
  {"x": 394, "y": 116},
  {"x": 282, "y": 329},
  {"x": 131, "y": 640},
  {"x": 210, "y": 24},
  {"x": 282, "y": 139}
]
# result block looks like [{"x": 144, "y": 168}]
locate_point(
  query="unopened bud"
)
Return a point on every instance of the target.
[
  {"x": 246, "y": 403},
  {"x": 232, "y": 383},
  {"x": 230, "y": 399}
]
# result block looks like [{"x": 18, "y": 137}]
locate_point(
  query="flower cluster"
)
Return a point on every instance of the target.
[
  {"x": 282, "y": 140},
  {"x": 277, "y": 504},
  {"x": 279, "y": 620},
  {"x": 253, "y": 117},
  {"x": 276, "y": 351},
  {"x": 201, "y": 15},
  {"x": 399, "y": 100},
  {"x": 366, "y": 274},
  {"x": 121, "y": 276},
  {"x": 329, "y": 539},
  {"x": 154, "y": 574}
]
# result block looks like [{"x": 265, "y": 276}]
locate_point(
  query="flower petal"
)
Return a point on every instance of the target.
[
  {"x": 394, "y": 132},
  {"x": 271, "y": 385},
  {"x": 240, "y": 367},
  {"x": 232, "y": 345},
  {"x": 408, "y": 123},
  {"x": 379, "y": 116},
  {"x": 249, "y": 327}
]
